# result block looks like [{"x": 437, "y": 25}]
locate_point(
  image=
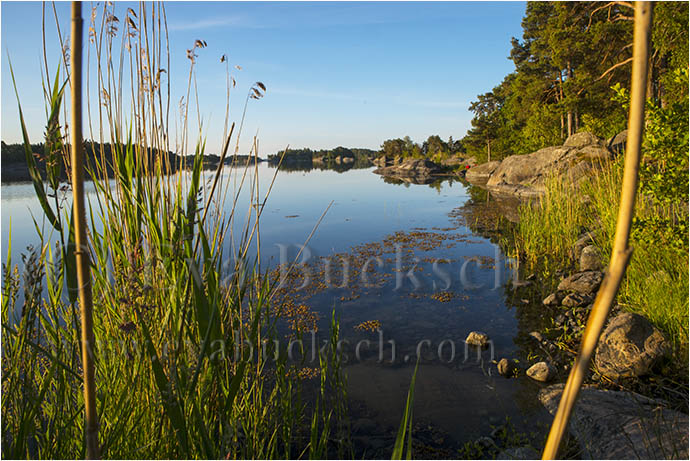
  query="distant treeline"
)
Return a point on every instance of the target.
[
  {"x": 434, "y": 148},
  {"x": 14, "y": 166},
  {"x": 340, "y": 158}
]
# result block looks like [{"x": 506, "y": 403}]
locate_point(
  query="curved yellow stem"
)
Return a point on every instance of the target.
[
  {"x": 621, "y": 252},
  {"x": 82, "y": 253}
]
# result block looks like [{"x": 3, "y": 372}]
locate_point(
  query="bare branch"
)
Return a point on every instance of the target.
[
  {"x": 608, "y": 5},
  {"x": 610, "y": 69}
]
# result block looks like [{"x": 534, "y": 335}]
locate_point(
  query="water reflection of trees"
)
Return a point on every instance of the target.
[
  {"x": 493, "y": 218},
  {"x": 307, "y": 165},
  {"x": 434, "y": 182}
]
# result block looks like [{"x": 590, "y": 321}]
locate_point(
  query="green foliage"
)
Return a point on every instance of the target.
[
  {"x": 433, "y": 148},
  {"x": 655, "y": 283},
  {"x": 403, "y": 439},
  {"x": 548, "y": 228},
  {"x": 664, "y": 168},
  {"x": 339, "y": 159},
  {"x": 664, "y": 172},
  {"x": 570, "y": 55}
]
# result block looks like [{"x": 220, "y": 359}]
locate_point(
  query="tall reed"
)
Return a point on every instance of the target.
[
  {"x": 548, "y": 228},
  {"x": 177, "y": 328}
]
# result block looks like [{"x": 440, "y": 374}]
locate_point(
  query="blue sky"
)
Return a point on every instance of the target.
[{"x": 351, "y": 74}]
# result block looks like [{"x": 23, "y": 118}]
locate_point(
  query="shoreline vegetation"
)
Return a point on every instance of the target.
[
  {"x": 548, "y": 100},
  {"x": 16, "y": 169},
  {"x": 568, "y": 204},
  {"x": 159, "y": 281},
  {"x": 163, "y": 237}
]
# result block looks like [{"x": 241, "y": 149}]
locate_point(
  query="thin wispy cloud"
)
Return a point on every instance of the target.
[
  {"x": 210, "y": 23},
  {"x": 319, "y": 17}
]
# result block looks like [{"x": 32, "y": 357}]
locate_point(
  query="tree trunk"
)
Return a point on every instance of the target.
[
  {"x": 570, "y": 111},
  {"x": 560, "y": 88},
  {"x": 663, "y": 67},
  {"x": 649, "y": 94},
  {"x": 488, "y": 150}
]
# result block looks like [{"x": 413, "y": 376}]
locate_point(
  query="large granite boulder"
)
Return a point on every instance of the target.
[
  {"x": 525, "y": 175},
  {"x": 617, "y": 143},
  {"x": 453, "y": 161},
  {"x": 622, "y": 425},
  {"x": 481, "y": 173},
  {"x": 629, "y": 347}
]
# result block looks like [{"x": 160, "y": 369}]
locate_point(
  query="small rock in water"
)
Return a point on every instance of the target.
[
  {"x": 542, "y": 371},
  {"x": 629, "y": 346},
  {"x": 521, "y": 283},
  {"x": 477, "y": 338},
  {"x": 582, "y": 282},
  {"x": 506, "y": 368},
  {"x": 552, "y": 300},
  {"x": 590, "y": 259},
  {"x": 536, "y": 335}
]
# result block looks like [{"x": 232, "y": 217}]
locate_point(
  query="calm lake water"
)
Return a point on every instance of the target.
[{"x": 417, "y": 305}]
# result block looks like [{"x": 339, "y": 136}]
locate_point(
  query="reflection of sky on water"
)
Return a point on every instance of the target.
[{"x": 461, "y": 398}]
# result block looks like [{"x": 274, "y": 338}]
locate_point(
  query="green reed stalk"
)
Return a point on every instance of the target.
[{"x": 166, "y": 304}]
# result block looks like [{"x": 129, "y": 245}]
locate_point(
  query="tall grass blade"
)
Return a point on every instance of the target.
[
  {"x": 31, "y": 164},
  {"x": 402, "y": 449}
]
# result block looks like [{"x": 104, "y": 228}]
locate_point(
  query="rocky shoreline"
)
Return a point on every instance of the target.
[
  {"x": 610, "y": 420},
  {"x": 624, "y": 410},
  {"x": 420, "y": 171},
  {"x": 525, "y": 176}
]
